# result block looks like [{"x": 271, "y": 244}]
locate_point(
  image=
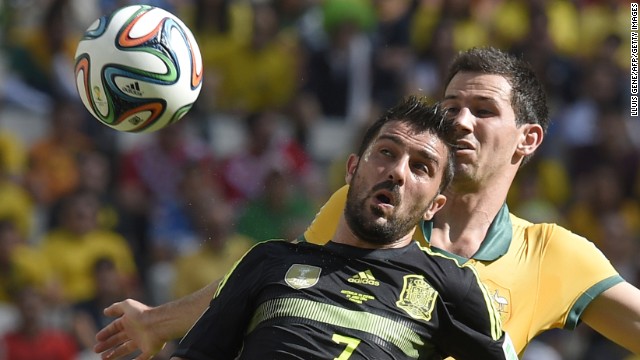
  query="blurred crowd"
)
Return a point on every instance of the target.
[{"x": 89, "y": 217}]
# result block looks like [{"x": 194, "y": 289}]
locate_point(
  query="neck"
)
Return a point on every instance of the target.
[
  {"x": 344, "y": 235},
  {"x": 462, "y": 224}
]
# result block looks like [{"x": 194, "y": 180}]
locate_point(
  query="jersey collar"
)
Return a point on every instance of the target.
[{"x": 494, "y": 245}]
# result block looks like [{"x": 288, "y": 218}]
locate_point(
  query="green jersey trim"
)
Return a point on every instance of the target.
[
  {"x": 495, "y": 244},
  {"x": 585, "y": 299},
  {"x": 388, "y": 330}
]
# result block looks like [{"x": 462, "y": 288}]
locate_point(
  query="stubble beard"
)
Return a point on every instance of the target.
[
  {"x": 465, "y": 176},
  {"x": 366, "y": 228}
]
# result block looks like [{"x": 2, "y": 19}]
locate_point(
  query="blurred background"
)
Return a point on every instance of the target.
[{"x": 89, "y": 215}]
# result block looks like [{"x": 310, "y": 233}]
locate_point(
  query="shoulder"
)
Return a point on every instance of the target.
[
  {"x": 447, "y": 262},
  {"x": 545, "y": 233},
  {"x": 272, "y": 245},
  {"x": 272, "y": 258},
  {"x": 554, "y": 242},
  {"x": 449, "y": 274},
  {"x": 464, "y": 296},
  {"x": 272, "y": 249}
]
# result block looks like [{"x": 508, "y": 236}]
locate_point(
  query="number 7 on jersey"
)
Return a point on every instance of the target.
[{"x": 352, "y": 344}]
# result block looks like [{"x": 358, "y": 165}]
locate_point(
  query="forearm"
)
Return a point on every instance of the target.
[
  {"x": 173, "y": 319},
  {"x": 138, "y": 327},
  {"x": 616, "y": 314}
]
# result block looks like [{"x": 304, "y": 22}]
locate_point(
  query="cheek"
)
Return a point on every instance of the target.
[
  {"x": 501, "y": 141},
  {"x": 421, "y": 196},
  {"x": 358, "y": 179},
  {"x": 367, "y": 170}
]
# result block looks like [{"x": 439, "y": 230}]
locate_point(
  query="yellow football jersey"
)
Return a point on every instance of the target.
[{"x": 541, "y": 276}]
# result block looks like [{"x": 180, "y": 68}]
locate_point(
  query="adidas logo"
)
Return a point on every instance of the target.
[
  {"x": 133, "y": 88},
  {"x": 364, "y": 277}
]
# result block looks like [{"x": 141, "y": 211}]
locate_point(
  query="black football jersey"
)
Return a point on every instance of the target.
[{"x": 305, "y": 301}]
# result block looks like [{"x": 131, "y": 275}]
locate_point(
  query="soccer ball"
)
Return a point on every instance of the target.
[{"x": 138, "y": 69}]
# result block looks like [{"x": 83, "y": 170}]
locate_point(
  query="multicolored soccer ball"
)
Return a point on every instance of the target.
[{"x": 138, "y": 69}]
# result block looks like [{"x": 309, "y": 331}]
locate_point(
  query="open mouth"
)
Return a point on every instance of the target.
[{"x": 385, "y": 198}]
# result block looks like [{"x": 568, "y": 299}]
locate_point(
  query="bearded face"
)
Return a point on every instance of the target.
[
  {"x": 379, "y": 215},
  {"x": 394, "y": 184}
]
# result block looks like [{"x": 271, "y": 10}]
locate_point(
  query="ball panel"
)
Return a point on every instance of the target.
[
  {"x": 139, "y": 30},
  {"x": 138, "y": 69},
  {"x": 145, "y": 66},
  {"x": 82, "y": 82},
  {"x": 143, "y": 118},
  {"x": 180, "y": 113},
  {"x": 195, "y": 61},
  {"x": 96, "y": 29}
]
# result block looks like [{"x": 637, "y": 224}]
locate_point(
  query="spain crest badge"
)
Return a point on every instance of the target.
[{"x": 418, "y": 297}]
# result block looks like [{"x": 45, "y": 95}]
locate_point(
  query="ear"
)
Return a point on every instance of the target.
[
  {"x": 532, "y": 136},
  {"x": 352, "y": 165},
  {"x": 437, "y": 204}
]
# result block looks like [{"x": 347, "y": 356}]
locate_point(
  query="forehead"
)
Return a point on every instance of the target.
[
  {"x": 424, "y": 142},
  {"x": 479, "y": 86}
]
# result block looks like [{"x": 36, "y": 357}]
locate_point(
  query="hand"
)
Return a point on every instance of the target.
[{"x": 132, "y": 331}]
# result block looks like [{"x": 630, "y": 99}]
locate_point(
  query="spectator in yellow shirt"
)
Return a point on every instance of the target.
[{"x": 78, "y": 242}]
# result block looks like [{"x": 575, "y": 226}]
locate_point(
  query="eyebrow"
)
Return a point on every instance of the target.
[{"x": 429, "y": 155}]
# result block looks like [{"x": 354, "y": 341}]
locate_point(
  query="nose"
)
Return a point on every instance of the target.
[
  {"x": 463, "y": 120},
  {"x": 399, "y": 170}
]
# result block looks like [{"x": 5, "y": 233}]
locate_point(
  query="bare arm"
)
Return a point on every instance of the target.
[
  {"x": 148, "y": 329},
  {"x": 616, "y": 315}
]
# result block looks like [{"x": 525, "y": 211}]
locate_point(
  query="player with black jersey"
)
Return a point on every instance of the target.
[{"x": 372, "y": 292}]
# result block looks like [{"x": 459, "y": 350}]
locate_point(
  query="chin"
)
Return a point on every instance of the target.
[
  {"x": 464, "y": 174},
  {"x": 462, "y": 171}
]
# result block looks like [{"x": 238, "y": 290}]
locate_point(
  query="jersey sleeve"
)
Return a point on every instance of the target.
[
  {"x": 325, "y": 223},
  {"x": 218, "y": 333},
  {"x": 574, "y": 272},
  {"x": 471, "y": 327}
]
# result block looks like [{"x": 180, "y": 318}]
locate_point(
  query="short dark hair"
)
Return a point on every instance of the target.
[
  {"x": 421, "y": 116},
  {"x": 528, "y": 98}
]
